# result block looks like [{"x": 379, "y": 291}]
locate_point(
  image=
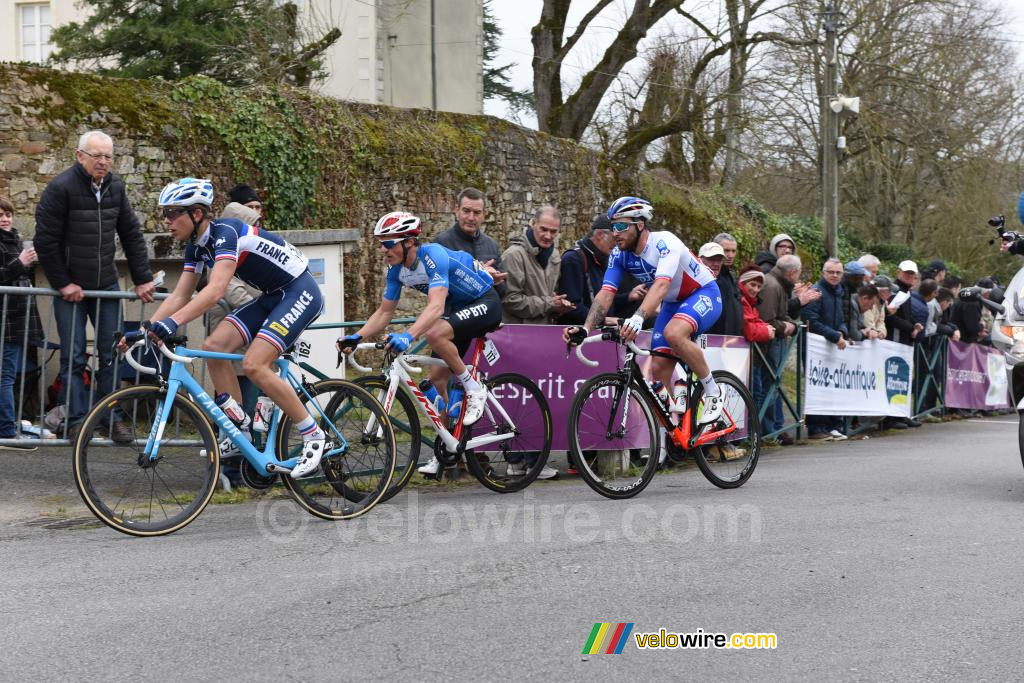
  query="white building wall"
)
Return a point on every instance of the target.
[
  {"x": 382, "y": 57},
  {"x": 60, "y": 11}
]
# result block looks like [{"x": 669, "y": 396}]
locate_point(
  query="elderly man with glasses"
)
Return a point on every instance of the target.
[
  {"x": 78, "y": 217},
  {"x": 826, "y": 318}
]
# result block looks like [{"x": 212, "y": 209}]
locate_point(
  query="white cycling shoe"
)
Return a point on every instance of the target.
[
  {"x": 475, "y": 403},
  {"x": 312, "y": 453},
  {"x": 713, "y": 406},
  {"x": 431, "y": 468}
]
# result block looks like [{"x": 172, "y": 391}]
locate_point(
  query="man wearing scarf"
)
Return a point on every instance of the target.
[
  {"x": 533, "y": 266},
  {"x": 583, "y": 269}
]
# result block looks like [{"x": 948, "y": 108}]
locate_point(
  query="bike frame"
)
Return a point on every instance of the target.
[
  {"x": 682, "y": 434},
  {"x": 398, "y": 374},
  {"x": 264, "y": 461}
]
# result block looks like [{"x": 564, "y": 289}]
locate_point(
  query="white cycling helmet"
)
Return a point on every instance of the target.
[
  {"x": 630, "y": 207},
  {"x": 187, "y": 192},
  {"x": 396, "y": 225}
]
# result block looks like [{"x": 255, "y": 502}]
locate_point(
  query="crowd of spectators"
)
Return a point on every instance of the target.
[{"x": 85, "y": 207}]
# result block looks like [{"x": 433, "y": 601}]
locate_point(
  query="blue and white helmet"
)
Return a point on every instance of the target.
[
  {"x": 187, "y": 192},
  {"x": 630, "y": 207}
]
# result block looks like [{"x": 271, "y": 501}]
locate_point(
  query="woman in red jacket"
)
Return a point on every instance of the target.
[{"x": 754, "y": 329}]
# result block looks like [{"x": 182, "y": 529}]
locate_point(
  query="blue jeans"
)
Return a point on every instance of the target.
[
  {"x": 11, "y": 368},
  {"x": 774, "y": 418},
  {"x": 105, "y": 315}
]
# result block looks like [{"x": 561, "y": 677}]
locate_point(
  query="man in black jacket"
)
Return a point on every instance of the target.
[
  {"x": 582, "y": 273},
  {"x": 467, "y": 235},
  {"x": 81, "y": 212},
  {"x": 731, "y": 320}
]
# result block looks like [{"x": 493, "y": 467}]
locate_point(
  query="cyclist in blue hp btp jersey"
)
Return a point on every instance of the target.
[
  {"x": 461, "y": 302},
  {"x": 678, "y": 283},
  {"x": 291, "y": 300}
]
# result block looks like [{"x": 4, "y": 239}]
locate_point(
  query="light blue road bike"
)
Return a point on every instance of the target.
[{"x": 163, "y": 478}]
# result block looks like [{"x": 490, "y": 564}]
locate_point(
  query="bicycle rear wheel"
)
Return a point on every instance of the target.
[
  {"x": 730, "y": 459},
  {"x": 359, "y": 461},
  {"x": 514, "y": 406},
  {"x": 127, "y": 490},
  {"x": 406, "y": 424},
  {"x": 607, "y": 419}
]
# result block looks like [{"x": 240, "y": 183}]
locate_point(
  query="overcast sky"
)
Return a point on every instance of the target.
[{"x": 517, "y": 17}]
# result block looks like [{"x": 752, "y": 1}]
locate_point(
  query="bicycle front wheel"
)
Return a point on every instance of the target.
[
  {"x": 405, "y": 422},
  {"x": 517, "y": 408},
  {"x": 359, "y": 460},
  {"x": 609, "y": 418},
  {"x": 125, "y": 488},
  {"x": 729, "y": 459}
]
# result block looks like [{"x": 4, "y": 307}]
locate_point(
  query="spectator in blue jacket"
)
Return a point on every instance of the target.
[
  {"x": 826, "y": 317},
  {"x": 919, "y": 307}
]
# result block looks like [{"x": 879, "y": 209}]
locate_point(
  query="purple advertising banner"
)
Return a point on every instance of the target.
[
  {"x": 538, "y": 352},
  {"x": 975, "y": 377}
]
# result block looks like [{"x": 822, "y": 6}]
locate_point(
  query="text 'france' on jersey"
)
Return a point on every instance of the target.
[
  {"x": 264, "y": 260},
  {"x": 663, "y": 257},
  {"x": 437, "y": 266}
]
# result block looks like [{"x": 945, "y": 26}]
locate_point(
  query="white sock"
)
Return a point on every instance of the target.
[
  {"x": 710, "y": 386},
  {"x": 309, "y": 429},
  {"x": 467, "y": 381}
]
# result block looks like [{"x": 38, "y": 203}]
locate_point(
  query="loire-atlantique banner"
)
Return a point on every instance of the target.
[
  {"x": 976, "y": 377},
  {"x": 866, "y": 378},
  {"x": 538, "y": 352}
]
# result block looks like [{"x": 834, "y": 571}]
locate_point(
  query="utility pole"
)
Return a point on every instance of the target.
[{"x": 830, "y": 134}]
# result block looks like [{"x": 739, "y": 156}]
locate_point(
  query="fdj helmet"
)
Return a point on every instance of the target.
[
  {"x": 630, "y": 207},
  {"x": 187, "y": 192},
  {"x": 396, "y": 225}
]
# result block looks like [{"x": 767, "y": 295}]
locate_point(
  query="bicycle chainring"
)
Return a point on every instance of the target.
[
  {"x": 443, "y": 456},
  {"x": 253, "y": 479}
]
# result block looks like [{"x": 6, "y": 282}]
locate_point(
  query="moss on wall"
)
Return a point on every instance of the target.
[{"x": 320, "y": 163}]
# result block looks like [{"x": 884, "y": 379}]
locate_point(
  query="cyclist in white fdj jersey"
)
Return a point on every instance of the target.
[
  {"x": 271, "y": 323},
  {"x": 677, "y": 281},
  {"x": 461, "y": 302}
]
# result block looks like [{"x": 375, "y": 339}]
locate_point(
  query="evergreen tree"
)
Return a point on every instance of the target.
[
  {"x": 496, "y": 79},
  {"x": 237, "y": 42}
]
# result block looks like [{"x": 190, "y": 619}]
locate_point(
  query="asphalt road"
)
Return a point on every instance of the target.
[{"x": 892, "y": 558}]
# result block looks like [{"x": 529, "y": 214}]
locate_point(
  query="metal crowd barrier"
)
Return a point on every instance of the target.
[
  {"x": 40, "y": 364},
  {"x": 792, "y": 404},
  {"x": 930, "y": 363}
]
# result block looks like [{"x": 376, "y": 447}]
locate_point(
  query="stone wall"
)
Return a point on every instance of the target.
[{"x": 319, "y": 163}]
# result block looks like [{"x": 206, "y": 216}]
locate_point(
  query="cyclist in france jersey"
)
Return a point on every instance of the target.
[
  {"x": 271, "y": 323},
  {"x": 461, "y": 303},
  {"x": 677, "y": 281}
]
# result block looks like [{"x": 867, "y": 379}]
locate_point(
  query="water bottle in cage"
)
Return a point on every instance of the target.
[
  {"x": 263, "y": 415},
  {"x": 679, "y": 389},
  {"x": 661, "y": 392},
  {"x": 430, "y": 391}
]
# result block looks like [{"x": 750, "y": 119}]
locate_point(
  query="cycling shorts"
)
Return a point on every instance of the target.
[
  {"x": 701, "y": 310},
  {"x": 473, "y": 319},
  {"x": 279, "y": 317}
]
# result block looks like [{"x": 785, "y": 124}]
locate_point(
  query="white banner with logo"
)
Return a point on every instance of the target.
[{"x": 866, "y": 378}]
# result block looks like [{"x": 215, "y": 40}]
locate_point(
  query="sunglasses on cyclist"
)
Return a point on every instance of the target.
[
  {"x": 388, "y": 244},
  {"x": 622, "y": 227},
  {"x": 171, "y": 214}
]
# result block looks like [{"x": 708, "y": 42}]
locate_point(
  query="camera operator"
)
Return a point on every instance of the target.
[{"x": 1010, "y": 241}]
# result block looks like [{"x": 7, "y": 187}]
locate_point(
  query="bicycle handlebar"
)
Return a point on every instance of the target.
[
  {"x": 130, "y": 359},
  {"x": 350, "y": 358},
  {"x": 145, "y": 369},
  {"x": 606, "y": 334}
]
